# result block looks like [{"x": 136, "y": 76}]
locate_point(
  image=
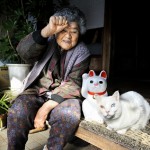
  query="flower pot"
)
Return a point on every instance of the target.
[
  {"x": 17, "y": 73},
  {"x": 3, "y": 121}
]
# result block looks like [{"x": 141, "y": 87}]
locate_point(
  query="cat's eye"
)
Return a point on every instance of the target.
[
  {"x": 100, "y": 82},
  {"x": 101, "y": 106},
  {"x": 91, "y": 81},
  {"x": 113, "y": 105}
]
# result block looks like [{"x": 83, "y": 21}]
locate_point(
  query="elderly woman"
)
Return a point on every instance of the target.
[{"x": 52, "y": 89}]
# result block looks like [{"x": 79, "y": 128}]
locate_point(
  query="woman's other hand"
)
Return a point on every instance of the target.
[
  {"x": 41, "y": 116},
  {"x": 55, "y": 25}
]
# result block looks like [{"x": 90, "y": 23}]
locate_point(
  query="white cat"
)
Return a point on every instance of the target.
[
  {"x": 93, "y": 84},
  {"x": 122, "y": 112}
]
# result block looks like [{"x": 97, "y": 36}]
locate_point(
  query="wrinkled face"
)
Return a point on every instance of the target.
[{"x": 68, "y": 37}]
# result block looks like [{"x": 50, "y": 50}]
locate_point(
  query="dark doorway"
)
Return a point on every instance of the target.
[{"x": 130, "y": 59}]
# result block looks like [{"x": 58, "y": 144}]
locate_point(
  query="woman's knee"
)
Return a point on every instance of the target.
[
  {"x": 17, "y": 110},
  {"x": 23, "y": 107},
  {"x": 69, "y": 115},
  {"x": 68, "y": 111}
]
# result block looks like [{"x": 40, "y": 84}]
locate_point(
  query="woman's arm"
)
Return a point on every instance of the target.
[
  {"x": 31, "y": 47},
  {"x": 41, "y": 116},
  {"x": 68, "y": 89},
  {"x": 34, "y": 45}
]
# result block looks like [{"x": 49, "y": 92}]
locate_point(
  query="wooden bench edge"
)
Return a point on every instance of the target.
[{"x": 97, "y": 140}]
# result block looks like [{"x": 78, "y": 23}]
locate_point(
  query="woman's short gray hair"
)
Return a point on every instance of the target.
[{"x": 73, "y": 14}]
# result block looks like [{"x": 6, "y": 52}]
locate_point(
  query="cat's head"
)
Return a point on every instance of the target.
[
  {"x": 109, "y": 106},
  {"x": 94, "y": 83}
]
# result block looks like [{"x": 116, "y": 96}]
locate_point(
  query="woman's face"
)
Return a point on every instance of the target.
[{"x": 68, "y": 37}]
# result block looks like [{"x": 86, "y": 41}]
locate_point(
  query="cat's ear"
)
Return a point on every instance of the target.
[
  {"x": 103, "y": 74},
  {"x": 116, "y": 95},
  {"x": 91, "y": 73}
]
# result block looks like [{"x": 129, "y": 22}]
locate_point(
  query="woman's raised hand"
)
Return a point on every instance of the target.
[{"x": 55, "y": 25}]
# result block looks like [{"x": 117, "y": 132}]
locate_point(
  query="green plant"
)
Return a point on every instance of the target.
[
  {"x": 15, "y": 26},
  {"x": 4, "y": 103},
  {"x": 21, "y": 18}
]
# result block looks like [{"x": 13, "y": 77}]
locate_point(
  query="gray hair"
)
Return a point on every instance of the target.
[{"x": 73, "y": 14}]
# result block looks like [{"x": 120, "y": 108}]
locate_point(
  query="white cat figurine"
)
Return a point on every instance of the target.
[
  {"x": 93, "y": 84},
  {"x": 122, "y": 112}
]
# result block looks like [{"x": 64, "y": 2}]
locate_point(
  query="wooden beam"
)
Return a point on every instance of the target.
[
  {"x": 97, "y": 140},
  {"x": 106, "y": 37}
]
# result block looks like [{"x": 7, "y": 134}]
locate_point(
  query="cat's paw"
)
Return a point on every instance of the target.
[
  {"x": 123, "y": 131},
  {"x": 109, "y": 128},
  {"x": 88, "y": 119},
  {"x": 136, "y": 127},
  {"x": 100, "y": 121}
]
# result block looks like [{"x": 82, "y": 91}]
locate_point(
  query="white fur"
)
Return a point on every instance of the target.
[
  {"x": 128, "y": 111},
  {"x": 96, "y": 84}
]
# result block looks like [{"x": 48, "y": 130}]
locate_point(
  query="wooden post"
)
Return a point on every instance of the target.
[{"x": 106, "y": 37}]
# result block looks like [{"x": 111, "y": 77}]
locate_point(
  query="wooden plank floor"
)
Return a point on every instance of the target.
[{"x": 37, "y": 141}]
